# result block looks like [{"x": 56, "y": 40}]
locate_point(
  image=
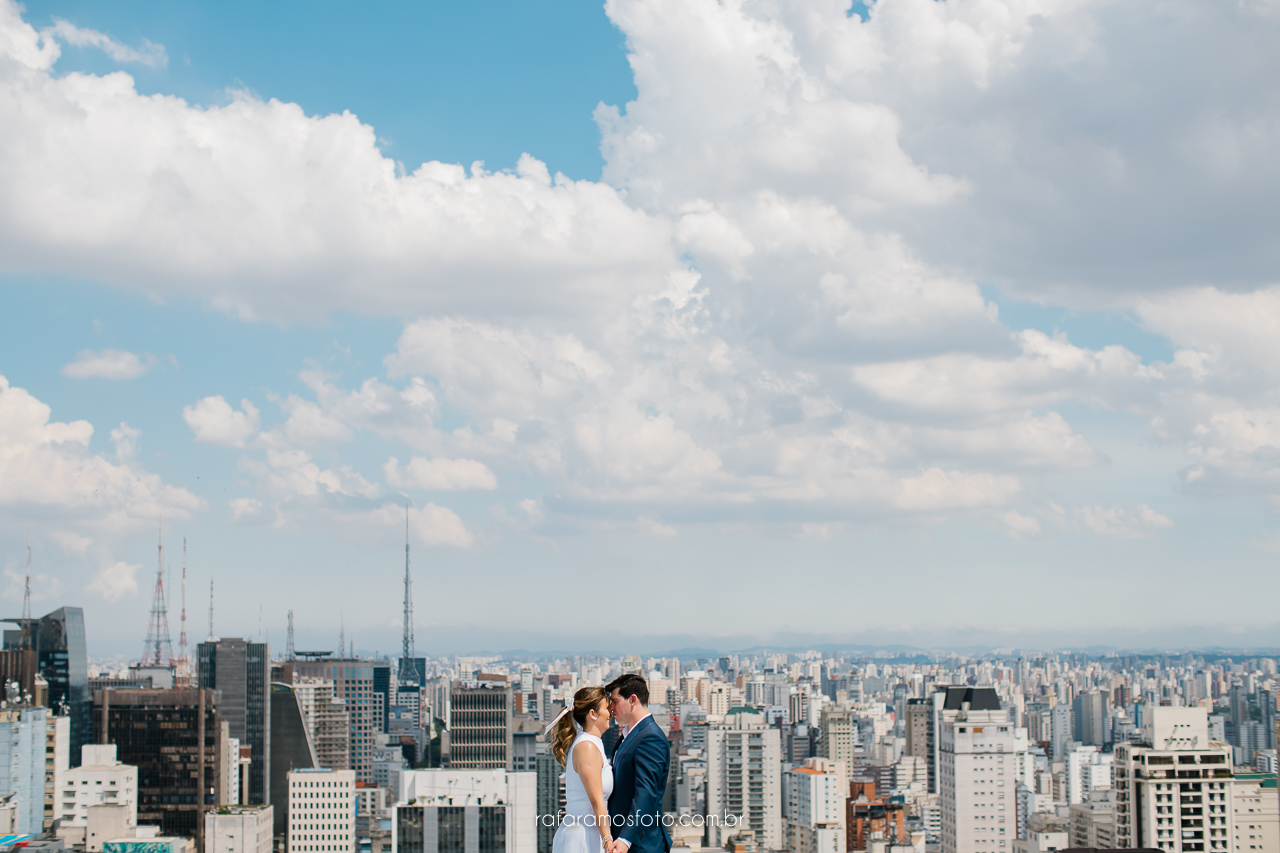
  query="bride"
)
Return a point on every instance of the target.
[{"x": 588, "y": 778}]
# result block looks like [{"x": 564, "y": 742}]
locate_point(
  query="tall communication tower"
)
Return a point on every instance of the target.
[
  {"x": 213, "y": 638},
  {"x": 183, "y": 663},
  {"x": 158, "y": 649},
  {"x": 408, "y": 668},
  {"x": 25, "y": 643},
  {"x": 342, "y": 635},
  {"x": 289, "y": 653}
]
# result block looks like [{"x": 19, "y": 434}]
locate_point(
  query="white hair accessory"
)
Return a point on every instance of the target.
[{"x": 551, "y": 725}]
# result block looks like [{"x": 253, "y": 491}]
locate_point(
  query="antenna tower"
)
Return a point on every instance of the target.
[
  {"x": 342, "y": 635},
  {"x": 184, "y": 660},
  {"x": 408, "y": 668},
  {"x": 212, "y": 637},
  {"x": 158, "y": 648},
  {"x": 289, "y": 653},
  {"x": 26, "y": 603}
]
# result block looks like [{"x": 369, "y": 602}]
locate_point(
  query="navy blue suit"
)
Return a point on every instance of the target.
[{"x": 640, "y": 767}]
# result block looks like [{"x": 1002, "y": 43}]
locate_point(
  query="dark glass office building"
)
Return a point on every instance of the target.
[
  {"x": 240, "y": 671},
  {"x": 174, "y": 737},
  {"x": 62, "y": 658}
]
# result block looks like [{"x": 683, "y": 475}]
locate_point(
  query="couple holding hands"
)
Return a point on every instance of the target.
[{"x": 611, "y": 808}]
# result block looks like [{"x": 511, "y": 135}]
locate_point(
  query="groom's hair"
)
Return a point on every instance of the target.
[{"x": 629, "y": 685}]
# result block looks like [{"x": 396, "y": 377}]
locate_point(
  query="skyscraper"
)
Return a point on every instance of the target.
[
  {"x": 176, "y": 740},
  {"x": 22, "y": 730},
  {"x": 480, "y": 725},
  {"x": 981, "y": 759},
  {"x": 744, "y": 777},
  {"x": 354, "y": 682},
  {"x": 61, "y": 657},
  {"x": 240, "y": 671}
]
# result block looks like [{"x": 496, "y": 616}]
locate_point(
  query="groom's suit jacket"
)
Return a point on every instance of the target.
[{"x": 640, "y": 767}]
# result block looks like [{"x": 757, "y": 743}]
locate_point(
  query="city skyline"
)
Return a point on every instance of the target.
[{"x": 938, "y": 325}]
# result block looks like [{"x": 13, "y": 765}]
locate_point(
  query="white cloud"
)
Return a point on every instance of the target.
[
  {"x": 115, "y": 581},
  {"x": 212, "y": 420},
  {"x": 150, "y": 54},
  {"x": 48, "y": 464},
  {"x": 125, "y": 438},
  {"x": 431, "y": 525},
  {"x": 444, "y": 475},
  {"x": 1121, "y": 523},
  {"x": 108, "y": 364},
  {"x": 1020, "y": 526}
]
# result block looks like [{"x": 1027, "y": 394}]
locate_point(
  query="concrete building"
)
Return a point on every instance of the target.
[
  {"x": 63, "y": 662},
  {"x": 291, "y": 749},
  {"x": 239, "y": 829},
  {"x": 550, "y": 797},
  {"x": 241, "y": 672},
  {"x": 916, "y": 728},
  {"x": 1174, "y": 789},
  {"x": 1093, "y": 822},
  {"x": 1090, "y": 711},
  {"x": 815, "y": 812},
  {"x": 176, "y": 740},
  {"x": 744, "y": 764},
  {"x": 328, "y": 722},
  {"x": 480, "y": 725},
  {"x": 1088, "y": 770},
  {"x": 981, "y": 755},
  {"x": 24, "y": 732},
  {"x": 1255, "y": 813},
  {"x": 57, "y": 760},
  {"x": 99, "y": 780},
  {"x": 322, "y": 811},
  {"x": 442, "y": 811},
  {"x": 836, "y": 742},
  {"x": 354, "y": 682}
]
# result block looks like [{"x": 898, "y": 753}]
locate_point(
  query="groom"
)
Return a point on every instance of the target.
[{"x": 640, "y": 765}]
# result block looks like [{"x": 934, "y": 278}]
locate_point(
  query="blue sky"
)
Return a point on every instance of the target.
[{"x": 781, "y": 321}]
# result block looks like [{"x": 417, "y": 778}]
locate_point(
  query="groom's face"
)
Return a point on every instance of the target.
[{"x": 621, "y": 706}]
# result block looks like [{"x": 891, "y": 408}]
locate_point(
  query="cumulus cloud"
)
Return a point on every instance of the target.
[
  {"x": 108, "y": 364},
  {"x": 443, "y": 475},
  {"x": 1112, "y": 522},
  {"x": 48, "y": 464},
  {"x": 115, "y": 581},
  {"x": 212, "y": 420}
]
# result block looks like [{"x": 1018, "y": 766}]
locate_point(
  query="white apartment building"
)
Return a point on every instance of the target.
[
  {"x": 1255, "y": 813},
  {"x": 100, "y": 780},
  {"x": 1045, "y": 833},
  {"x": 327, "y": 719},
  {"x": 442, "y": 811},
  {"x": 322, "y": 811},
  {"x": 837, "y": 741},
  {"x": 57, "y": 760},
  {"x": 815, "y": 819},
  {"x": 1174, "y": 790},
  {"x": 1088, "y": 769},
  {"x": 981, "y": 756},
  {"x": 744, "y": 778},
  {"x": 239, "y": 829}
]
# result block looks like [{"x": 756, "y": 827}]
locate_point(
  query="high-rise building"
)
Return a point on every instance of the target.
[
  {"x": 744, "y": 777},
  {"x": 836, "y": 742},
  {"x": 1090, "y": 710},
  {"x": 291, "y": 749},
  {"x": 981, "y": 757},
  {"x": 57, "y": 760},
  {"x": 24, "y": 732},
  {"x": 441, "y": 811},
  {"x": 1087, "y": 770},
  {"x": 480, "y": 725},
  {"x": 241, "y": 672},
  {"x": 328, "y": 722},
  {"x": 916, "y": 728},
  {"x": 239, "y": 829},
  {"x": 62, "y": 659},
  {"x": 1174, "y": 789},
  {"x": 322, "y": 811},
  {"x": 353, "y": 682},
  {"x": 816, "y": 807},
  {"x": 176, "y": 740}
]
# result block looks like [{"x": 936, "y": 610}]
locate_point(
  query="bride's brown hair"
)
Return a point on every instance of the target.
[{"x": 585, "y": 700}]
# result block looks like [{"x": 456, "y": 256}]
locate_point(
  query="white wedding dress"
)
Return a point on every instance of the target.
[{"x": 578, "y": 833}]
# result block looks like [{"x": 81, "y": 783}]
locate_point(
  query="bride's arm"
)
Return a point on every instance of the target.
[{"x": 588, "y": 763}]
